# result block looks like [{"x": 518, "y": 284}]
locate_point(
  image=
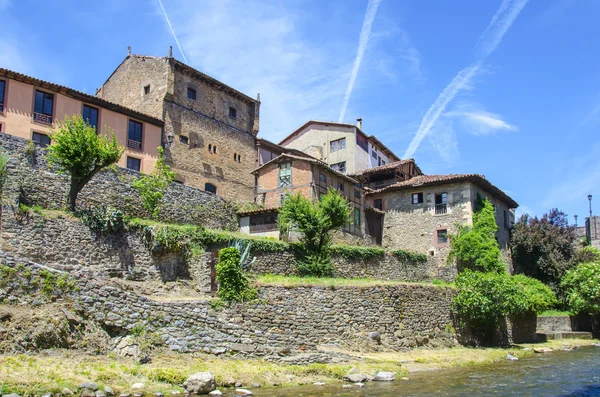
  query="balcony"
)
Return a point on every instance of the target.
[
  {"x": 134, "y": 144},
  {"x": 264, "y": 227},
  {"x": 42, "y": 118},
  {"x": 441, "y": 209}
]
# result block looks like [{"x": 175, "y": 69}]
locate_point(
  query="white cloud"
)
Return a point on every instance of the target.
[
  {"x": 479, "y": 122},
  {"x": 363, "y": 41},
  {"x": 162, "y": 7},
  {"x": 487, "y": 43}
]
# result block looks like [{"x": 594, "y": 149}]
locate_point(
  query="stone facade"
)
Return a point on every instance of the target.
[
  {"x": 213, "y": 126},
  {"x": 276, "y": 325},
  {"x": 31, "y": 181}
]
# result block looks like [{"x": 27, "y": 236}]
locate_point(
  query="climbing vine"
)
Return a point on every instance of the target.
[{"x": 152, "y": 187}]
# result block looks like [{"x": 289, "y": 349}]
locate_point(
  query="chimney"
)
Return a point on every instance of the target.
[
  {"x": 170, "y": 51},
  {"x": 359, "y": 123},
  {"x": 128, "y": 50}
]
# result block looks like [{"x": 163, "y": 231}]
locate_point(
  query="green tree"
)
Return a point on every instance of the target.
[
  {"x": 582, "y": 286},
  {"x": 475, "y": 247},
  {"x": 80, "y": 152},
  {"x": 152, "y": 187},
  {"x": 233, "y": 284},
  {"x": 587, "y": 254},
  {"x": 315, "y": 220}
]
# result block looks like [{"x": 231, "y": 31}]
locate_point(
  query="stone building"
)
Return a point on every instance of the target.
[
  {"x": 297, "y": 173},
  {"x": 210, "y": 128},
  {"x": 592, "y": 230},
  {"x": 30, "y": 108},
  {"x": 344, "y": 147},
  {"x": 419, "y": 213}
]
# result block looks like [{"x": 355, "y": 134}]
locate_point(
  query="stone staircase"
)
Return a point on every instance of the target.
[{"x": 563, "y": 327}]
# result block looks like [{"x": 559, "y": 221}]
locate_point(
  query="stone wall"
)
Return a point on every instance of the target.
[
  {"x": 30, "y": 177},
  {"x": 283, "y": 321}
]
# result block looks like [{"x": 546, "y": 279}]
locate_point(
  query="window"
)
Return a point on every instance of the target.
[
  {"x": 215, "y": 149},
  {"x": 209, "y": 148},
  {"x": 382, "y": 162},
  {"x": 441, "y": 203},
  {"x": 378, "y": 203},
  {"x": 235, "y": 157},
  {"x": 506, "y": 225},
  {"x": 362, "y": 142},
  {"x": 2, "y": 90},
  {"x": 147, "y": 89},
  {"x": 417, "y": 198},
  {"x": 322, "y": 178},
  {"x": 378, "y": 160},
  {"x": 374, "y": 153},
  {"x": 285, "y": 174},
  {"x": 134, "y": 135},
  {"x": 340, "y": 186},
  {"x": 338, "y": 144},
  {"x": 40, "y": 138},
  {"x": 43, "y": 107},
  {"x": 339, "y": 167},
  {"x": 239, "y": 158},
  {"x": 442, "y": 236},
  {"x": 209, "y": 187},
  {"x": 356, "y": 217},
  {"x": 232, "y": 112},
  {"x": 356, "y": 193},
  {"x": 133, "y": 163},
  {"x": 90, "y": 116},
  {"x": 191, "y": 94},
  {"x": 184, "y": 139}
]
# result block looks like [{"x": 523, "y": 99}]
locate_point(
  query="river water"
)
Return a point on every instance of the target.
[{"x": 572, "y": 374}]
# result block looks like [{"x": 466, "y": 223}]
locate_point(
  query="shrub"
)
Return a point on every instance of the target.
[
  {"x": 587, "y": 254},
  {"x": 475, "y": 247},
  {"x": 152, "y": 187},
  {"x": 582, "y": 286},
  {"x": 408, "y": 256},
  {"x": 316, "y": 265},
  {"x": 233, "y": 284},
  {"x": 103, "y": 220},
  {"x": 357, "y": 252}
]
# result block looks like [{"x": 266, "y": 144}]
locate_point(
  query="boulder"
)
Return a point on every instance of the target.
[
  {"x": 200, "y": 383},
  {"x": 542, "y": 350},
  {"x": 511, "y": 357},
  {"x": 127, "y": 347},
  {"x": 109, "y": 391},
  {"x": 215, "y": 393},
  {"x": 375, "y": 336},
  {"x": 384, "y": 377},
  {"x": 243, "y": 392},
  {"x": 355, "y": 378}
]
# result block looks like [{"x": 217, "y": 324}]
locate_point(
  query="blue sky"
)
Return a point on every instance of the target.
[{"x": 505, "y": 88}]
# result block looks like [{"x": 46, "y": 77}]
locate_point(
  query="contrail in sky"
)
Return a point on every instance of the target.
[
  {"x": 490, "y": 39},
  {"x": 365, "y": 33},
  {"x": 172, "y": 31}
]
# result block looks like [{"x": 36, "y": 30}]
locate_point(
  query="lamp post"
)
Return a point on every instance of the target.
[
  {"x": 592, "y": 237},
  {"x": 575, "y": 221}
]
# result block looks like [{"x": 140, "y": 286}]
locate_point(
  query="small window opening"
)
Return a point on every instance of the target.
[{"x": 147, "y": 89}]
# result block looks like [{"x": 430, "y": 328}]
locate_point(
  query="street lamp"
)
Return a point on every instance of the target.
[
  {"x": 575, "y": 221},
  {"x": 170, "y": 139}
]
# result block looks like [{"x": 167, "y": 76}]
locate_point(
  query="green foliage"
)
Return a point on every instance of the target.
[
  {"x": 138, "y": 330},
  {"x": 80, "y": 152},
  {"x": 357, "y": 252},
  {"x": 582, "y": 286},
  {"x": 29, "y": 148},
  {"x": 172, "y": 376},
  {"x": 103, "y": 220},
  {"x": 315, "y": 220},
  {"x": 152, "y": 187},
  {"x": 408, "y": 256},
  {"x": 3, "y": 170},
  {"x": 543, "y": 248},
  {"x": 475, "y": 247},
  {"x": 217, "y": 304},
  {"x": 485, "y": 298},
  {"x": 586, "y": 254},
  {"x": 233, "y": 284}
]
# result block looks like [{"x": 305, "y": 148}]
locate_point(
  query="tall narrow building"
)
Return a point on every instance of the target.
[{"x": 210, "y": 128}]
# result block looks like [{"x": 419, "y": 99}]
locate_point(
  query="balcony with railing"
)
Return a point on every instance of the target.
[
  {"x": 42, "y": 118},
  {"x": 132, "y": 144},
  {"x": 441, "y": 209}
]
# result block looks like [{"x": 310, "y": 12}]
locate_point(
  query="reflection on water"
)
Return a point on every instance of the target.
[{"x": 560, "y": 374}]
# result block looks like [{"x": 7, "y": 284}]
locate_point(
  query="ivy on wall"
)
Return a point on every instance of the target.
[{"x": 409, "y": 256}]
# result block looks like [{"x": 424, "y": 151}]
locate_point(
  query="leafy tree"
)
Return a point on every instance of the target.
[
  {"x": 233, "y": 284},
  {"x": 587, "y": 254},
  {"x": 80, "y": 152},
  {"x": 543, "y": 248},
  {"x": 315, "y": 220},
  {"x": 582, "y": 286},
  {"x": 152, "y": 187},
  {"x": 475, "y": 247}
]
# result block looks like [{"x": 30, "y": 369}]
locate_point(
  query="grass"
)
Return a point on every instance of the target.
[
  {"x": 295, "y": 281},
  {"x": 555, "y": 313}
]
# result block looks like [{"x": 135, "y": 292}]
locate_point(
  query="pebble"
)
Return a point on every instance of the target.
[
  {"x": 359, "y": 384},
  {"x": 256, "y": 385},
  {"x": 175, "y": 392},
  {"x": 47, "y": 395},
  {"x": 158, "y": 394},
  {"x": 319, "y": 384},
  {"x": 511, "y": 357},
  {"x": 405, "y": 378},
  {"x": 542, "y": 350},
  {"x": 346, "y": 386},
  {"x": 109, "y": 391},
  {"x": 243, "y": 392},
  {"x": 125, "y": 395}
]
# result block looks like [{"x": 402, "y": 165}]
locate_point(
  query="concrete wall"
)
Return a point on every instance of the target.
[
  {"x": 17, "y": 120},
  {"x": 30, "y": 180}
]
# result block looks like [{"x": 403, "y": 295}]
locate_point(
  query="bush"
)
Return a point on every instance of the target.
[
  {"x": 357, "y": 252},
  {"x": 582, "y": 286},
  {"x": 103, "y": 220},
  {"x": 315, "y": 266},
  {"x": 587, "y": 254},
  {"x": 233, "y": 284},
  {"x": 408, "y": 256},
  {"x": 475, "y": 247},
  {"x": 152, "y": 187}
]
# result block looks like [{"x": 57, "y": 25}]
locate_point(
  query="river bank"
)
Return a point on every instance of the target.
[{"x": 63, "y": 371}]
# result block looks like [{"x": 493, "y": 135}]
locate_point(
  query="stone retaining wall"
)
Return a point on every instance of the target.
[
  {"x": 283, "y": 321},
  {"x": 30, "y": 180}
]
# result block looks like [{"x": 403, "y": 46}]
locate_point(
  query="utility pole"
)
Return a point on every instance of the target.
[{"x": 594, "y": 236}]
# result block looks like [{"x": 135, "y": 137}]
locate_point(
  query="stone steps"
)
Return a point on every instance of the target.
[{"x": 550, "y": 335}]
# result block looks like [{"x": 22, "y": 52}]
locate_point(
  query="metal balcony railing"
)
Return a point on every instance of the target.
[
  {"x": 441, "y": 209},
  {"x": 42, "y": 118},
  {"x": 137, "y": 145}
]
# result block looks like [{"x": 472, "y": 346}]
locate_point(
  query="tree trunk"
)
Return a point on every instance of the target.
[{"x": 72, "y": 197}]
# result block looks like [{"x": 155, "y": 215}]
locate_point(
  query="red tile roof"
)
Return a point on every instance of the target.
[
  {"x": 258, "y": 211},
  {"x": 431, "y": 180},
  {"x": 385, "y": 167}
]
